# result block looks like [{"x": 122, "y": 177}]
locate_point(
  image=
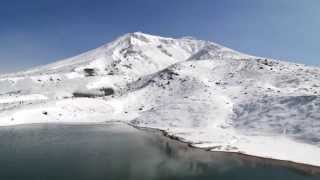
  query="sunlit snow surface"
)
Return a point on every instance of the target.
[{"x": 201, "y": 92}]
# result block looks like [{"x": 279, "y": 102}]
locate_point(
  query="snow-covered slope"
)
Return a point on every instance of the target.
[{"x": 203, "y": 93}]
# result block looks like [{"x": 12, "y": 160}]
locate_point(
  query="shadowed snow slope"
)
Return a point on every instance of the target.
[{"x": 203, "y": 93}]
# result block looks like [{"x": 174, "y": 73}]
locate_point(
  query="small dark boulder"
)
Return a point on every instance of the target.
[
  {"x": 89, "y": 72},
  {"x": 107, "y": 91}
]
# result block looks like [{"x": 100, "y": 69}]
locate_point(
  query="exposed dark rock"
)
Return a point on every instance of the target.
[{"x": 89, "y": 72}]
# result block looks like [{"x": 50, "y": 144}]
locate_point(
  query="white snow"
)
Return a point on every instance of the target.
[
  {"x": 22, "y": 98},
  {"x": 80, "y": 110},
  {"x": 205, "y": 94}
]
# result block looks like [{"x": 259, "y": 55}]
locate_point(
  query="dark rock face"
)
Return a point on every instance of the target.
[
  {"x": 107, "y": 91},
  {"x": 94, "y": 93},
  {"x": 89, "y": 72}
]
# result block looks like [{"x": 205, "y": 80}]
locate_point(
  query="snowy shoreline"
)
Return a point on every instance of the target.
[{"x": 303, "y": 167}]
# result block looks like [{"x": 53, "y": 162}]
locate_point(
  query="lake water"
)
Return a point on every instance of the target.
[{"x": 119, "y": 152}]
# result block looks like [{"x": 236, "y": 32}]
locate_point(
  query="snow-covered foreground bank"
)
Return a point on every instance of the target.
[{"x": 206, "y": 94}]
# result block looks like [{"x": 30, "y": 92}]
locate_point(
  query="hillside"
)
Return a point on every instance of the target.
[{"x": 201, "y": 92}]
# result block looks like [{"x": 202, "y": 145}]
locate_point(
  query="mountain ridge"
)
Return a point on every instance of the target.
[{"x": 121, "y": 40}]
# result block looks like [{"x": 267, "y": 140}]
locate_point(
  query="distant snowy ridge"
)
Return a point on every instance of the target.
[{"x": 206, "y": 94}]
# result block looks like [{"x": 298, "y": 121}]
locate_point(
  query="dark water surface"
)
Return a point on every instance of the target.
[{"x": 118, "y": 152}]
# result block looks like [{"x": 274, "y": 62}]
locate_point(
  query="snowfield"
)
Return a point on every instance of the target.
[{"x": 203, "y": 93}]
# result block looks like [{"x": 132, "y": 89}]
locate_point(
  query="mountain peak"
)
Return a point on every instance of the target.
[
  {"x": 140, "y": 35},
  {"x": 138, "y": 47}
]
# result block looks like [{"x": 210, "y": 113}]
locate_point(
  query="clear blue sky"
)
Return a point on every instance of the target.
[{"x": 35, "y": 32}]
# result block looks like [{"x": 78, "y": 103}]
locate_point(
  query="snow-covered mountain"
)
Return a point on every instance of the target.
[{"x": 201, "y": 92}]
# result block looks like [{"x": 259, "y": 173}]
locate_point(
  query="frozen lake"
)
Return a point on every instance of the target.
[{"x": 119, "y": 152}]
